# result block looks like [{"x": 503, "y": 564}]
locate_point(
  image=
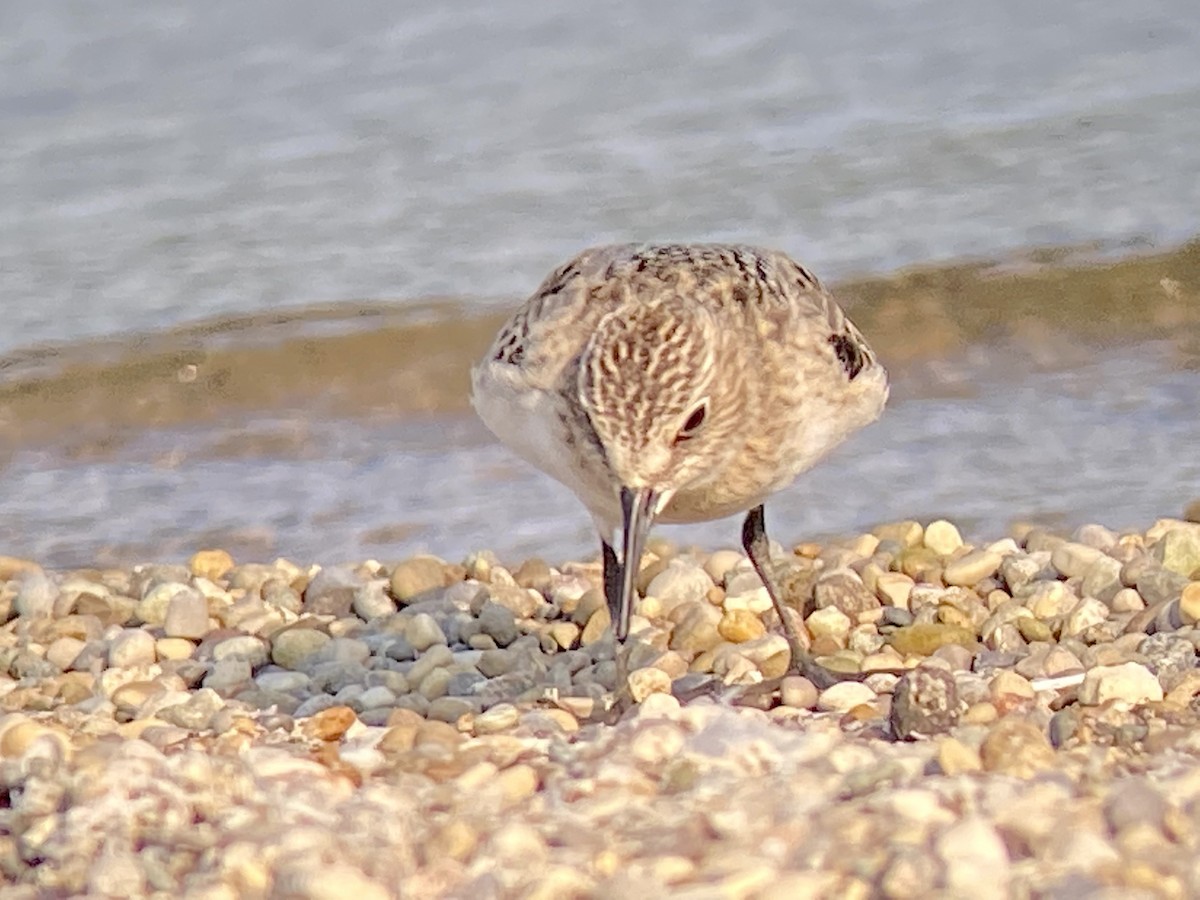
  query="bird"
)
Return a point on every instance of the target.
[{"x": 678, "y": 383}]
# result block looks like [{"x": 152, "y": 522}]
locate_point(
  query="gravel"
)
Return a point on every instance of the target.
[{"x": 1023, "y": 710}]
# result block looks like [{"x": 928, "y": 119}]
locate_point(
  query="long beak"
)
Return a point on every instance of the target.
[{"x": 637, "y": 512}]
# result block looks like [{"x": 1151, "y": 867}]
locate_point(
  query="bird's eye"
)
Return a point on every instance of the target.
[{"x": 693, "y": 423}]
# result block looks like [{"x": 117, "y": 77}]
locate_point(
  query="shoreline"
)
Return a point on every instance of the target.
[
  {"x": 430, "y": 728},
  {"x": 381, "y": 361}
]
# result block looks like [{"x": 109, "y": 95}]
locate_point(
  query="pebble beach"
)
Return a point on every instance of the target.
[{"x": 1017, "y": 719}]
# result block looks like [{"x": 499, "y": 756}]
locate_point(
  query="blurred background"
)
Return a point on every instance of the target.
[{"x": 248, "y": 251}]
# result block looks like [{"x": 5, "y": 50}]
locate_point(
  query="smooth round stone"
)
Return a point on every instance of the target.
[
  {"x": 498, "y": 622},
  {"x": 1014, "y": 746},
  {"x": 284, "y": 682},
  {"x": 972, "y": 568},
  {"x": 696, "y": 630},
  {"x": 500, "y": 717},
  {"x": 375, "y": 697},
  {"x": 721, "y": 562},
  {"x": 35, "y": 595},
  {"x": 63, "y": 651},
  {"x": 210, "y": 564},
  {"x": 679, "y": 582},
  {"x": 1189, "y": 603},
  {"x": 1102, "y": 579},
  {"x": 186, "y": 615},
  {"x": 1048, "y": 599},
  {"x": 399, "y": 649},
  {"x": 332, "y": 591},
  {"x": 494, "y": 663},
  {"x": 450, "y": 709},
  {"x": 923, "y": 639},
  {"x": 844, "y": 696},
  {"x": 798, "y": 692},
  {"x": 424, "y": 632},
  {"x": 1129, "y": 683},
  {"x": 196, "y": 713},
  {"x": 152, "y": 608},
  {"x": 1073, "y": 560},
  {"x": 942, "y": 537},
  {"x": 228, "y": 675},
  {"x": 521, "y": 602},
  {"x": 174, "y": 648},
  {"x": 291, "y": 647},
  {"x": 464, "y": 684},
  {"x": 1179, "y": 550},
  {"x": 345, "y": 650},
  {"x": 371, "y": 601},
  {"x": 829, "y": 622},
  {"x": 243, "y": 646},
  {"x": 738, "y": 626},
  {"x": 132, "y": 647},
  {"x": 437, "y": 656},
  {"x": 925, "y": 702},
  {"x": 1095, "y": 536},
  {"x": 646, "y": 681}
]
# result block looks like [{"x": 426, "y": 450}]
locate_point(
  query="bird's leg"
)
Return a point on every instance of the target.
[
  {"x": 612, "y": 596},
  {"x": 758, "y": 548}
]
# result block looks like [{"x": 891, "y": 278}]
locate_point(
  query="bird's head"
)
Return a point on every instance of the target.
[{"x": 647, "y": 386}]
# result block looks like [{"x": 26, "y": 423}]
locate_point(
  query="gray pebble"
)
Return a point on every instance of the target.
[
  {"x": 344, "y": 650},
  {"x": 465, "y": 684},
  {"x": 424, "y": 632},
  {"x": 400, "y": 649},
  {"x": 27, "y": 664},
  {"x": 332, "y": 677},
  {"x": 227, "y": 675},
  {"x": 314, "y": 705},
  {"x": 451, "y": 709},
  {"x": 925, "y": 702},
  {"x": 375, "y": 697},
  {"x": 243, "y": 646},
  {"x": 499, "y": 623},
  {"x": 1019, "y": 569},
  {"x": 283, "y": 681},
  {"x": 332, "y": 592},
  {"x": 396, "y": 682},
  {"x": 1169, "y": 656},
  {"x": 186, "y": 615},
  {"x": 291, "y": 647}
]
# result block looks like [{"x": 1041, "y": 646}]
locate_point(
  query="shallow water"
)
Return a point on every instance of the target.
[
  {"x": 163, "y": 161},
  {"x": 1111, "y": 441}
]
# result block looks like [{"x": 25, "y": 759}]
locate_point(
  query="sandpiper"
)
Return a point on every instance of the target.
[{"x": 678, "y": 383}]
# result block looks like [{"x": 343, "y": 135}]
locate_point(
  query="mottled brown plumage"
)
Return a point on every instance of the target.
[{"x": 677, "y": 383}]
